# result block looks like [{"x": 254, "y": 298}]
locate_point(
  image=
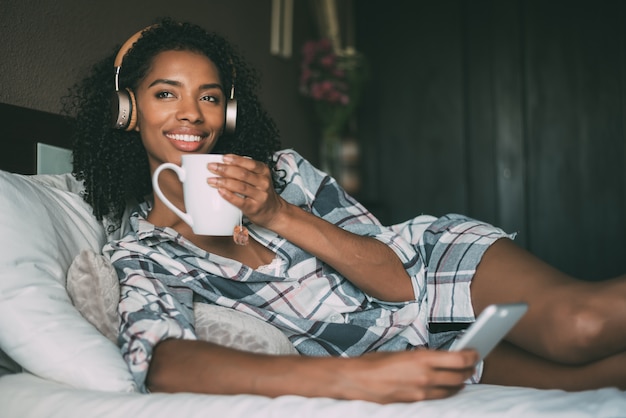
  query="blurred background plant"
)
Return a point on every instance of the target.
[
  {"x": 333, "y": 77},
  {"x": 334, "y": 80}
]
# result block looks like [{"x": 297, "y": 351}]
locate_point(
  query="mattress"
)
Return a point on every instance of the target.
[{"x": 27, "y": 396}]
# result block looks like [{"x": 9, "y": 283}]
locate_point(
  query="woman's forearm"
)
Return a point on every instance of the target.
[
  {"x": 368, "y": 263},
  {"x": 407, "y": 376},
  {"x": 204, "y": 367}
]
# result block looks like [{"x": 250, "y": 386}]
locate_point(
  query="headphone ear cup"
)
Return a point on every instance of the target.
[
  {"x": 132, "y": 120},
  {"x": 123, "y": 110},
  {"x": 231, "y": 116}
]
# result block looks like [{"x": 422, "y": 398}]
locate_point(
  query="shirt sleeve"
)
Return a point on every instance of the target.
[
  {"x": 149, "y": 311},
  {"x": 317, "y": 192}
]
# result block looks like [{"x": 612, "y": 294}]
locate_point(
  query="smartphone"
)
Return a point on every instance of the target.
[{"x": 491, "y": 326}]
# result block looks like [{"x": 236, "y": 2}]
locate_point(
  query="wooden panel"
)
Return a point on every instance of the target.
[
  {"x": 415, "y": 107},
  {"x": 575, "y": 135},
  {"x": 512, "y": 112},
  {"x": 494, "y": 116},
  {"x": 508, "y": 119},
  {"x": 480, "y": 111}
]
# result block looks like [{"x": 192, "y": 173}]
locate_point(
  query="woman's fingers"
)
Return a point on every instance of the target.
[
  {"x": 245, "y": 162},
  {"x": 242, "y": 168},
  {"x": 241, "y": 175},
  {"x": 247, "y": 184},
  {"x": 413, "y": 375}
]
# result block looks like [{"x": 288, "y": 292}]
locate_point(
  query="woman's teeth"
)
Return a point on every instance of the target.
[{"x": 185, "y": 138}]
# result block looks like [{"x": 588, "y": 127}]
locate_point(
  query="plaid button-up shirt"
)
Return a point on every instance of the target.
[{"x": 162, "y": 274}]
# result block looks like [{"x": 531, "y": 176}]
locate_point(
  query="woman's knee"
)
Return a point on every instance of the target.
[{"x": 575, "y": 333}]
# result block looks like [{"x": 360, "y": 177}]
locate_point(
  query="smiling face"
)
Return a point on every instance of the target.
[{"x": 181, "y": 105}]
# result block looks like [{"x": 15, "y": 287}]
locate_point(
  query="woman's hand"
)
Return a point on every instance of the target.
[
  {"x": 248, "y": 185},
  {"x": 408, "y": 376}
]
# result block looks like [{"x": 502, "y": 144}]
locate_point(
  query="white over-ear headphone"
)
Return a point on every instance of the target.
[{"x": 124, "y": 104}]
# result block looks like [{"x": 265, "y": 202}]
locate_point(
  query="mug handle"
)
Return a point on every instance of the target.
[{"x": 180, "y": 172}]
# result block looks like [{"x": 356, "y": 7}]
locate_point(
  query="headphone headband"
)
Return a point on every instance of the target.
[
  {"x": 119, "y": 58},
  {"x": 128, "y": 45}
]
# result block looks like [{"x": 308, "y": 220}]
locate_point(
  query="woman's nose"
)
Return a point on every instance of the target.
[{"x": 189, "y": 109}]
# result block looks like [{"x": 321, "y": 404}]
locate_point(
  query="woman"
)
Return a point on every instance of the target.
[{"x": 361, "y": 301}]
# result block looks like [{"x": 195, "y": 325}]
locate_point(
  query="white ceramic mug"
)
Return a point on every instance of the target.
[{"x": 207, "y": 211}]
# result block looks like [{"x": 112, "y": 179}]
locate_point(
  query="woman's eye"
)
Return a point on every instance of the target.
[
  {"x": 164, "y": 95},
  {"x": 209, "y": 98}
]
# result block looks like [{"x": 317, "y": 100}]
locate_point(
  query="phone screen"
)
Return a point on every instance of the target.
[{"x": 492, "y": 325}]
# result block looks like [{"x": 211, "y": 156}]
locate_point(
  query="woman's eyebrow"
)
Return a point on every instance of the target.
[{"x": 178, "y": 84}]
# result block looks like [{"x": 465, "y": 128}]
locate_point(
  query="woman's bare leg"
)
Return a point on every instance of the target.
[
  {"x": 569, "y": 321},
  {"x": 511, "y": 366}
]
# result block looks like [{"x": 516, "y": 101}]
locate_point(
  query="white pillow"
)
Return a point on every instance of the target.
[
  {"x": 231, "y": 328},
  {"x": 93, "y": 286},
  {"x": 94, "y": 289},
  {"x": 44, "y": 224}
]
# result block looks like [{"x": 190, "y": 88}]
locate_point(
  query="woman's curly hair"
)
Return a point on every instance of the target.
[{"x": 113, "y": 163}]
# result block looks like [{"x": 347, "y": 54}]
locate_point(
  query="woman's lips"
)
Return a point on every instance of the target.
[{"x": 186, "y": 142}]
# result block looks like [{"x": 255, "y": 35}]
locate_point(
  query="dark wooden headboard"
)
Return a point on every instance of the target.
[{"x": 22, "y": 129}]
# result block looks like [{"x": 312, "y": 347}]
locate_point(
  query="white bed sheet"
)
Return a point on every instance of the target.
[{"x": 27, "y": 396}]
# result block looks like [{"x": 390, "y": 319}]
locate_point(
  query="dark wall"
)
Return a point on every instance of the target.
[{"x": 508, "y": 111}]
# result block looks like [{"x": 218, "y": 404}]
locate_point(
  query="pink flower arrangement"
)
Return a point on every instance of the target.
[
  {"x": 333, "y": 80},
  {"x": 322, "y": 79}
]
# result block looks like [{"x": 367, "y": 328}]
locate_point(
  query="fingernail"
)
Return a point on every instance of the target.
[{"x": 228, "y": 158}]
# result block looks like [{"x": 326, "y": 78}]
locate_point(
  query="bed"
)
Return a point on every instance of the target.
[{"x": 57, "y": 325}]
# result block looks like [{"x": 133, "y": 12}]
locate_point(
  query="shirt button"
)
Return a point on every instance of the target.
[{"x": 336, "y": 318}]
